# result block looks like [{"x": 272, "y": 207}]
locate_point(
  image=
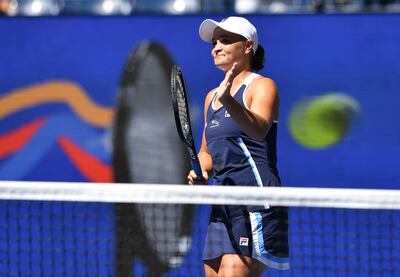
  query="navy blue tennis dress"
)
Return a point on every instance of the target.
[{"x": 260, "y": 232}]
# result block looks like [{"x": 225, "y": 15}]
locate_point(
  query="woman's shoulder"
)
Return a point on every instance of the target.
[
  {"x": 263, "y": 83},
  {"x": 209, "y": 97},
  {"x": 210, "y": 94},
  {"x": 263, "y": 80}
]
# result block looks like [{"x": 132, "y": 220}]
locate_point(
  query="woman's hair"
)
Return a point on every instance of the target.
[{"x": 258, "y": 59}]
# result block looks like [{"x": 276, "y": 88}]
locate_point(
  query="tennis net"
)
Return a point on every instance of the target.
[{"x": 99, "y": 229}]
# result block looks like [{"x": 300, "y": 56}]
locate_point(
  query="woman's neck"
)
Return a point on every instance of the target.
[{"x": 240, "y": 77}]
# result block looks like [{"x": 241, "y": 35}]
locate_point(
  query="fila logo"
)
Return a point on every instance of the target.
[
  {"x": 244, "y": 241},
  {"x": 227, "y": 114}
]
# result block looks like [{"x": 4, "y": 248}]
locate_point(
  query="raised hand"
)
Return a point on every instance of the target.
[{"x": 225, "y": 86}]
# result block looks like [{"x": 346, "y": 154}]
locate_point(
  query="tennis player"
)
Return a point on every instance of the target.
[{"x": 239, "y": 149}]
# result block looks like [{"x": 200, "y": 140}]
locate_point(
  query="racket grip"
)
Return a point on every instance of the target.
[{"x": 197, "y": 169}]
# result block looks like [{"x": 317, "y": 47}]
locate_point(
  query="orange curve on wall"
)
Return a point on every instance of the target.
[{"x": 57, "y": 92}]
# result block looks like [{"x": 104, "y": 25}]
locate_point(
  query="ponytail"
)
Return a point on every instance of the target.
[{"x": 258, "y": 59}]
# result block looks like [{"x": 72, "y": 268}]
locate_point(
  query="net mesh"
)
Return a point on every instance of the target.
[{"x": 69, "y": 229}]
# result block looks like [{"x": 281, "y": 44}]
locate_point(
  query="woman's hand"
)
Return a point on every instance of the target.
[
  {"x": 193, "y": 180},
  {"x": 224, "y": 89}
]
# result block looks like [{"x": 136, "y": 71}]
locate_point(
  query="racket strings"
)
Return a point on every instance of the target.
[{"x": 182, "y": 109}]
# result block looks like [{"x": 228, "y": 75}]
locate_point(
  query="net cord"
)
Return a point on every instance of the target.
[{"x": 185, "y": 194}]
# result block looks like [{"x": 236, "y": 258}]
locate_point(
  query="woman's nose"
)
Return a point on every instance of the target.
[{"x": 217, "y": 46}]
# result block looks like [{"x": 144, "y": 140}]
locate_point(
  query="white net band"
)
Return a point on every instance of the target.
[{"x": 185, "y": 194}]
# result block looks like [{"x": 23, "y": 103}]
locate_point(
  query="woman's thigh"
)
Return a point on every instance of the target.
[
  {"x": 211, "y": 267},
  {"x": 232, "y": 265}
]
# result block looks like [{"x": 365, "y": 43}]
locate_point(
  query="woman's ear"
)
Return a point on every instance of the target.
[{"x": 249, "y": 46}]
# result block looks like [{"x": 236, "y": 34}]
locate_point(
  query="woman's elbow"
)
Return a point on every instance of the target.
[{"x": 259, "y": 134}]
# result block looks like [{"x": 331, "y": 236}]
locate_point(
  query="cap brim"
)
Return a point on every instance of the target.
[{"x": 207, "y": 28}]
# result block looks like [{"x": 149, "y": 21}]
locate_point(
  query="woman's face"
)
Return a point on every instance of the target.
[{"x": 228, "y": 48}]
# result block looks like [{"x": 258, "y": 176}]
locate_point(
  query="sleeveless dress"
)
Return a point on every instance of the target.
[{"x": 238, "y": 160}]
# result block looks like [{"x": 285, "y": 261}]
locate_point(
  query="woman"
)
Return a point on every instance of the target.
[{"x": 239, "y": 148}]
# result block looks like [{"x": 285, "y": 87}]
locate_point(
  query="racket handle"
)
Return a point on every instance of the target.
[{"x": 197, "y": 169}]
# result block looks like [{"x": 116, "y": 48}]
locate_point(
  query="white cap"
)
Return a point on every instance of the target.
[{"x": 233, "y": 24}]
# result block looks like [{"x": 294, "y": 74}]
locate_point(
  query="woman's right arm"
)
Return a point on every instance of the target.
[{"x": 203, "y": 155}]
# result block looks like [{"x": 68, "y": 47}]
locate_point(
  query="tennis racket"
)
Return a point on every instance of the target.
[{"x": 182, "y": 116}]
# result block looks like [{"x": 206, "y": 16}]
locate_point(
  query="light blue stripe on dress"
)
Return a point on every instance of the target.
[
  {"x": 260, "y": 252},
  {"x": 252, "y": 164}
]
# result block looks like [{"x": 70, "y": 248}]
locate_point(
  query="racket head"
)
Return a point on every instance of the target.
[{"x": 181, "y": 106}]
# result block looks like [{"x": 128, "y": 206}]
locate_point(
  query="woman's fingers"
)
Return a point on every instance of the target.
[
  {"x": 226, "y": 84},
  {"x": 193, "y": 180},
  {"x": 229, "y": 75},
  {"x": 192, "y": 177}
]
